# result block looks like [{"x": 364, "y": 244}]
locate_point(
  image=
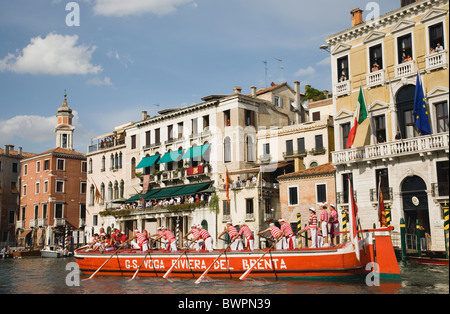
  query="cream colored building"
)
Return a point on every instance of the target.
[
  {"x": 414, "y": 169},
  {"x": 187, "y": 151}
]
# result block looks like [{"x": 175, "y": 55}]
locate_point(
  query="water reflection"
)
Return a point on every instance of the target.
[{"x": 47, "y": 276}]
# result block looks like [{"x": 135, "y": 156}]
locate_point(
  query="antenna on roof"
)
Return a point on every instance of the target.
[
  {"x": 265, "y": 67},
  {"x": 281, "y": 69}
]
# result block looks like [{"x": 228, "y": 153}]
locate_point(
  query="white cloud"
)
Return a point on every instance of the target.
[
  {"x": 36, "y": 129},
  {"x": 305, "y": 72},
  {"x": 99, "y": 82},
  {"x": 137, "y": 7},
  {"x": 52, "y": 55},
  {"x": 325, "y": 62}
]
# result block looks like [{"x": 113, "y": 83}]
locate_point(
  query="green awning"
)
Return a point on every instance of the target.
[
  {"x": 167, "y": 192},
  {"x": 147, "y": 161},
  {"x": 180, "y": 190},
  {"x": 196, "y": 151},
  {"x": 193, "y": 188},
  {"x": 170, "y": 157}
]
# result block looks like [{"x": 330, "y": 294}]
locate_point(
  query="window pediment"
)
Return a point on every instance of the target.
[
  {"x": 340, "y": 48},
  {"x": 374, "y": 35},
  {"x": 402, "y": 25},
  {"x": 432, "y": 14}
]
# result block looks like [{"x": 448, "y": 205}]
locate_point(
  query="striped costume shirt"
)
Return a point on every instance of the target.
[
  {"x": 168, "y": 235},
  {"x": 232, "y": 232},
  {"x": 287, "y": 229},
  {"x": 195, "y": 232},
  {"x": 313, "y": 221},
  {"x": 246, "y": 231},
  {"x": 141, "y": 238},
  {"x": 334, "y": 217},
  {"x": 205, "y": 234},
  {"x": 275, "y": 231},
  {"x": 324, "y": 215}
]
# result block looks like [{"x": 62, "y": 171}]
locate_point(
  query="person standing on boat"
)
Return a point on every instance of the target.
[
  {"x": 168, "y": 236},
  {"x": 276, "y": 233},
  {"x": 312, "y": 226},
  {"x": 333, "y": 221},
  {"x": 234, "y": 237},
  {"x": 245, "y": 230},
  {"x": 207, "y": 239},
  {"x": 289, "y": 240},
  {"x": 324, "y": 224}
]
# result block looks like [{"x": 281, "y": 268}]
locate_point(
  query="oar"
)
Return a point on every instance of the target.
[
  {"x": 92, "y": 276},
  {"x": 173, "y": 265},
  {"x": 200, "y": 279},
  {"x": 251, "y": 268},
  {"x": 137, "y": 271}
]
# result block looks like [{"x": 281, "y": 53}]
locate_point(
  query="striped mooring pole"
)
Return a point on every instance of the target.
[
  {"x": 388, "y": 215},
  {"x": 403, "y": 238},
  {"x": 445, "y": 208},
  {"x": 344, "y": 225},
  {"x": 299, "y": 227}
]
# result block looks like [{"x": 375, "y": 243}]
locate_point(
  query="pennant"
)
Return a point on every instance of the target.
[{"x": 420, "y": 111}]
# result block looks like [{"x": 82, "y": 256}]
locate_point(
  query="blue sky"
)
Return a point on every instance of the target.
[{"x": 134, "y": 55}]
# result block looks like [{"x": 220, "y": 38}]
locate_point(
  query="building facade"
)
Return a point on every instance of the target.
[
  {"x": 187, "y": 152},
  {"x": 10, "y": 169},
  {"x": 383, "y": 57},
  {"x": 53, "y": 190}
]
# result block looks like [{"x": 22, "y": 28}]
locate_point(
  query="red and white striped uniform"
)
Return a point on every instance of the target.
[
  {"x": 168, "y": 235},
  {"x": 287, "y": 229},
  {"x": 141, "y": 238},
  {"x": 205, "y": 234},
  {"x": 232, "y": 232},
  {"x": 245, "y": 230},
  {"x": 334, "y": 217},
  {"x": 195, "y": 232},
  {"x": 313, "y": 221},
  {"x": 324, "y": 215},
  {"x": 275, "y": 231}
]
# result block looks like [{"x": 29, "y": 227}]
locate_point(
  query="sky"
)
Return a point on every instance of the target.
[{"x": 116, "y": 58}]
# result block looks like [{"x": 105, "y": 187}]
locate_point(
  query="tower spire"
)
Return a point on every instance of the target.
[{"x": 64, "y": 128}]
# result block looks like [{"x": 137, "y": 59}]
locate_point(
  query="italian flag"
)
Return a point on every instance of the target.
[{"x": 359, "y": 131}]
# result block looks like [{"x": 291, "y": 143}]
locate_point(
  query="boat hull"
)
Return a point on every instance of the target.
[{"x": 300, "y": 263}]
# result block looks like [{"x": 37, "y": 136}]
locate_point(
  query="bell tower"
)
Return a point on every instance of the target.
[{"x": 64, "y": 128}]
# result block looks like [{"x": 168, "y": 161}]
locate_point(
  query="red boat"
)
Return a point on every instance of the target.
[
  {"x": 430, "y": 260},
  {"x": 375, "y": 246}
]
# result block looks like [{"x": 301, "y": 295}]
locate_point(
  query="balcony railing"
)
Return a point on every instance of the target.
[
  {"x": 436, "y": 61},
  {"x": 418, "y": 145},
  {"x": 59, "y": 222},
  {"x": 375, "y": 79},
  {"x": 405, "y": 69},
  {"x": 342, "y": 88}
]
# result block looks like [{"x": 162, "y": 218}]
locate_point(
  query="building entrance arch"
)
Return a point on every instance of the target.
[{"x": 415, "y": 206}]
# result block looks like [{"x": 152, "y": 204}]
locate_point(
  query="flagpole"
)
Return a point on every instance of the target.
[
  {"x": 368, "y": 113},
  {"x": 394, "y": 103}
]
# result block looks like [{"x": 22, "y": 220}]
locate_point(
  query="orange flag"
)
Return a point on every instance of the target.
[{"x": 227, "y": 184}]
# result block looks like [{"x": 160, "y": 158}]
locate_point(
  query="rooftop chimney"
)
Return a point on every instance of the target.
[
  {"x": 253, "y": 91},
  {"x": 237, "y": 90},
  {"x": 144, "y": 115},
  {"x": 357, "y": 16},
  {"x": 301, "y": 112}
]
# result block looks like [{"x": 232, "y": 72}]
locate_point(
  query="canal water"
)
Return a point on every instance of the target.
[{"x": 50, "y": 276}]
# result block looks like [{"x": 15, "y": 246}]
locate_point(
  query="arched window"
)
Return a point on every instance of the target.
[
  {"x": 110, "y": 191},
  {"x": 111, "y": 163},
  {"x": 102, "y": 193},
  {"x": 120, "y": 160},
  {"x": 405, "y": 107},
  {"x": 227, "y": 149},
  {"x": 91, "y": 195},
  {"x": 90, "y": 165},
  {"x": 121, "y": 189},
  {"x": 116, "y": 190},
  {"x": 103, "y": 163}
]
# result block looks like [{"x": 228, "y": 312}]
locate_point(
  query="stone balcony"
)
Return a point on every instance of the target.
[
  {"x": 422, "y": 146},
  {"x": 436, "y": 61}
]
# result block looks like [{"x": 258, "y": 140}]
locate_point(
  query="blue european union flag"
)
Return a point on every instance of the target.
[{"x": 420, "y": 112}]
